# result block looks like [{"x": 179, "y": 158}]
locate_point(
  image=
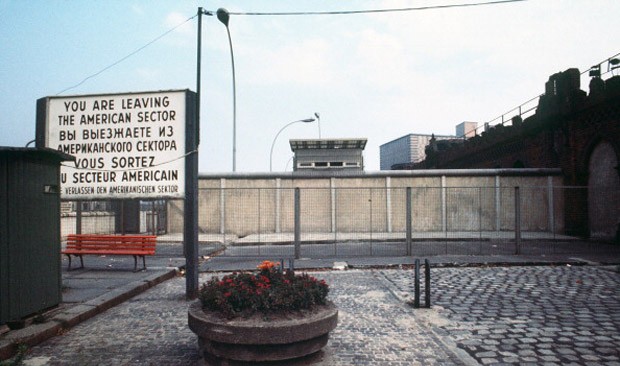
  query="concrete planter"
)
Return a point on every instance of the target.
[{"x": 256, "y": 339}]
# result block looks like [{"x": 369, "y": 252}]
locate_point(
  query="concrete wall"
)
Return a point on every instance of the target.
[
  {"x": 92, "y": 223},
  {"x": 442, "y": 200}
]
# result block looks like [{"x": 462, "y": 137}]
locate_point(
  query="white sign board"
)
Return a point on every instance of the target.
[{"x": 126, "y": 146}]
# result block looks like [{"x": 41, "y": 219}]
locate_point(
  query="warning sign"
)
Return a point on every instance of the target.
[{"x": 126, "y": 145}]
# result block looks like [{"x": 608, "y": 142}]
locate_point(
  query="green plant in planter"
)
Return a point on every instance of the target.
[{"x": 269, "y": 291}]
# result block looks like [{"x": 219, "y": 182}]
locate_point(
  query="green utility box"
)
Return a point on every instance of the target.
[{"x": 30, "y": 268}]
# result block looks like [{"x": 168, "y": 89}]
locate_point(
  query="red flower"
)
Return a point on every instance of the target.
[
  {"x": 266, "y": 265},
  {"x": 270, "y": 290}
]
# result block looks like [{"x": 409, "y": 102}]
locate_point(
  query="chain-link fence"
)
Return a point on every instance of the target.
[
  {"x": 340, "y": 222},
  {"x": 364, "y": 221},
  {"x": 114, "y": 217}
]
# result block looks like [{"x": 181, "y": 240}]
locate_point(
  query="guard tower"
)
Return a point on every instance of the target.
[{"x": 328, "y": 155}]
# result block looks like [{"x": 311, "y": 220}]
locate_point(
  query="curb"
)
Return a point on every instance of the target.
[{"x": 68, "y": 318}]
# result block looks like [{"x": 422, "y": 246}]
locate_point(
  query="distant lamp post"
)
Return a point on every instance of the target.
[
  {"x": 224, "y": 17},
  {"x": 288, "y": 162},
  {"x": 308, "y": 120},
  {"x": 318, "y": 119}
]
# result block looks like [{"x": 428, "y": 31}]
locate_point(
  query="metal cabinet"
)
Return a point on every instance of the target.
[{"x": 30, "y": 268}]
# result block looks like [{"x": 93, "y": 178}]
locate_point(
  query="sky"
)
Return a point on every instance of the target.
[{"x": 374, "y": 75}]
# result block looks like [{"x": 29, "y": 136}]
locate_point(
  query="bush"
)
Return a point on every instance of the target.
[{"x": 268, "y": 291}]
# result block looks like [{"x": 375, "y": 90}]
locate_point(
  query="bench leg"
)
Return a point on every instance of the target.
[
  {"x": 76, "y": 255},
  {"x": 135, "y": 263}
]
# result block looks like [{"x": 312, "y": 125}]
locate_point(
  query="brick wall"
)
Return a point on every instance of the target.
[{"x": 569, "y": 123}]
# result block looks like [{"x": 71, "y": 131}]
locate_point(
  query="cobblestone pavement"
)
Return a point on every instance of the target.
[
  {"x": 375, "y": 328},
  {"x": 499, "y": 315},
  {"x": 525, "y": 315}
]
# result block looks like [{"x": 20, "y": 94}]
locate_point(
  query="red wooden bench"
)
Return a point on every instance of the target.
[{"x": 134, "y": 245}]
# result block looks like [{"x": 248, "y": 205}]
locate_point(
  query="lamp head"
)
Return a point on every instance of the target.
[
  {"x": 307, "y": 120},
  {"x": 223, "y": 16}
]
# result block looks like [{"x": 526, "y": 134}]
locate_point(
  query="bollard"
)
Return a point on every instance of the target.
[
  {"x": 416, "y": 295},
  {"x": 427, "y": 283}
]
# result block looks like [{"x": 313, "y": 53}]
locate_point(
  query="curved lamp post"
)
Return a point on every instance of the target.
[
  {"x": 308, "y": 120},
  {"x": 224, "y": 17},
  {"x": 318, "y": 118}
]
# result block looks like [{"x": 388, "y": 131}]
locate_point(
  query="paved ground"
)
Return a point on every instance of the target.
[
  {"x": 456, "y": 247},
  {"x": 554, "y": 315}
]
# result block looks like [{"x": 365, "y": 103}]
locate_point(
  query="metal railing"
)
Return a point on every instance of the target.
[{"x": 528, "y": 108}]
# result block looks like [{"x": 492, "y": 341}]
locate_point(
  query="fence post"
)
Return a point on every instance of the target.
[
  {"x": 498, "y": 205},
  {"x": 278, "y": 203},
  {"x": 370, "y": 206},
  {"x": 78, "y": 217},
  {"x": 332, "y": 192},
  {"x": 551, "y": 207},
  {"x": 297, "y": 224},
  {"x": 259, "y": 216},
  {"x": 388, "y": 204},
  {"x": 408, "y": 218},
  {"x": 416, "y": 285},
  {"x": 122, "y": 217},
  {"x": 427, "y": 283},
  {"x": 444, "y": 211},
  {"x": 517, "y": 221},
  {"x": 153, "y": 217},
  {"x": 223, "y": 206}
]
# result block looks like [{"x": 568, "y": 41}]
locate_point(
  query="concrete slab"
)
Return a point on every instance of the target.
[
  {"x": 74, "y": 315},
  {"x": 34, "y": 334}
]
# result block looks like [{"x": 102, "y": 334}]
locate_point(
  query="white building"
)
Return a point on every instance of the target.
[
  {"x": 466, "y": 129},
  {"x": 410, "y": 148},
  {"x": 406, "y": 149},
  {"x": 328, "y": 155}
]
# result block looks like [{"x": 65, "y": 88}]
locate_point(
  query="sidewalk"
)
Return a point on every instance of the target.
[
  {"x": 109, "y": 281},
  {"x": 105, "y": 282},
  {"x": 85, "y": 293},
  {"x": 536, "y": 315}
]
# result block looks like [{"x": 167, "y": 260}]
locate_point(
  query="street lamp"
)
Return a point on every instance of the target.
[
  {"x": 318, "y": 118},
  {"x": 224, "y": 17},
  {"x": 308, "y": 120}
]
